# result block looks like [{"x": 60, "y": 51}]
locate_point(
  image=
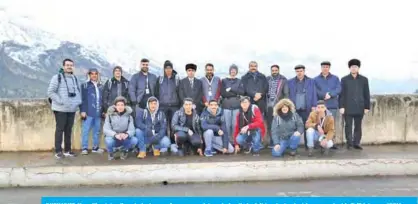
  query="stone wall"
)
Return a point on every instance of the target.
[{"x": 29, "y": 125}]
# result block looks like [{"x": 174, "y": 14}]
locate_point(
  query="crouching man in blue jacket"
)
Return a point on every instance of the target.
[
  {"x": 151, "y": 129},
  {"x": 215, "y": 133}
]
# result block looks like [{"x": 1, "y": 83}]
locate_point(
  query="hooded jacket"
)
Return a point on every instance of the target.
[
  {"x": 110, "y": 91},
  {"x": 255, "y": 123},
  {"x": 328, "y": 123},
  {"x": 283, "y": 127},
  {"x": 121, "y": 123},
  {"x": 215, "y": 122},
  {"x": 144, "y": 121},
  {"x": 178, "y": 123},
  {"x": 167, "y": 90}
]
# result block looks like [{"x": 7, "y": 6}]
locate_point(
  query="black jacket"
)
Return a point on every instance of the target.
[
  {"x": 252, "y": 85},
  {"x": 230, "y": 99},
  {"x": 185, "y": 91},
  {"x": 355, "y": 94},
  {"x": 110, "y": 91}
]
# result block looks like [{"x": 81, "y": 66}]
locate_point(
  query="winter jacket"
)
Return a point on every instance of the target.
[
  {"x": 178, "y": 123},
  {"x": 215, "y": 123},
  {"x": 119, "y": 123},
  {"x": 231, "y": 98},
  {"x": 355, "y": 94},
  {"x": 328, "y": 123},
  {"x": 255, "y": 123},
  {"x": 331, "y": 85},
  {"x": 143, "y": 121},
  {"x": 59, "y": 91},
  {"x": 211, "y": 89},
  {"x": 282, "y": 90},
  {"x": 110, "y": 91},
  {"x": 283, "y": 128},
  {"x": 310, "y": 89},
  {"x": 257, "y": 84},
  {"x": 138, "y": 84},
  {"x": 91, "y": 100},
  {"x": 167, "y": 90},
  {"x": 185, "y": 91}
]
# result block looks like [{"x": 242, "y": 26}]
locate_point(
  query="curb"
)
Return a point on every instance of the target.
[{"x": 203, "y": 172}]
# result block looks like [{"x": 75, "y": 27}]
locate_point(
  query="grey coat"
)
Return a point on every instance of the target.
[
  {"x": 138, "y": 84},
  {"x": 120, "y": 123},
  {"x": 58, "y": 93},
  {"x": 178, "y": 122}
]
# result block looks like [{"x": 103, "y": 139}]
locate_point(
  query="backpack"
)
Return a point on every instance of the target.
[
  {"x": 161, "y": 79},
  {"x": 59, "y": 83}
]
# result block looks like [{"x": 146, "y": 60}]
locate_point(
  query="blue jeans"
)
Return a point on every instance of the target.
[
  {"x": 292, "y": 143},
  {"x": 88, "y": 124},
  {"x": 212, "y": 140},
  {"x": 230, "y": 121},
  {"x": 312, "y": 136},
  {"x": 112, "y": 142},
  {"x": 253, "y": 140},
  {"x": 145, "y": 139}
]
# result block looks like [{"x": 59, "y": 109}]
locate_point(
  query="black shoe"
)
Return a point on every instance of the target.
[
  {"x": 310, "y": 152},
  {"x": 124, "y": 155},
  {"x": 349, "y": 147},
  {"x": 110, "y": 157},
  {"x": 358, "y": 147},
  {"x": 324, "y": 151},
  {"x": 59, "y": 155},
  {"x": 334, "y": 147},
  {"x": 69, "y": 154},
  {"x": 180, "y": 153}
]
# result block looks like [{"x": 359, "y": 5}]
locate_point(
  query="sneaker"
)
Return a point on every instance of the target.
[
  {"x": 155, "y": 152},
  {"x": 70, "y": 154},
  {"x": 249, "y": 150},
  {"x": 208, "y": 153},
  {"x": 214, "y": 151},
  {"x": 85, "y": 152},
  {"x": 310, "y": 152},
  {"x": 358, "y": 147},
  {"x": 97, "y": 150},
  {"x": 110, "y": 157},
  {"x": 141, "y": 155},
  {"x": 59, "y": 155},
  {"x": 124, "y": 155}
]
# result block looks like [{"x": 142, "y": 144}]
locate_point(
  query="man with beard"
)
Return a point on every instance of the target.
[
  {"x": 142, "y": 86},
  {"x": 190, "y": 87},
  {"x": 114, "y": 87},
  {"x": 211, "y": 85},
  {"x": 278, "y": 89},
  {"x": 256, "y": 86}
]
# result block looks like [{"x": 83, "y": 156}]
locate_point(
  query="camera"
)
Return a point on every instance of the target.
[{"x": 71, "y": 95}]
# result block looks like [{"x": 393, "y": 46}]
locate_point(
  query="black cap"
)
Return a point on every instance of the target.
[
  {"x": 191, "y": 66},
  {"x": 325, "y": 63},
  {"x": 354, "y": 62},
  {"x": 299, "y": 67}
]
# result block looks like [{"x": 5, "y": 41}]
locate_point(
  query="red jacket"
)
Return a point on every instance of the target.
[{"x": 257, "y": 123}]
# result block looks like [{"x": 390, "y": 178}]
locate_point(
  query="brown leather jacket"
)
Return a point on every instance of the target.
[{"x": 329, "y": 127}]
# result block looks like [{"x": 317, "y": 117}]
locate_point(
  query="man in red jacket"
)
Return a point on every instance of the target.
[{"x": 249, "y": 128}]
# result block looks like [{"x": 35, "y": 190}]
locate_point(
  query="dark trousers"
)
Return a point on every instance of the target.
[
  {"x": 183, "y": 138},
  {"x": 169, "y": 112},
  {"x": 304, "y": 114},
  {"x": 356, "y": 138},
  {"x": 64, "y": 125},
  {"x": 269, "y": 118}
]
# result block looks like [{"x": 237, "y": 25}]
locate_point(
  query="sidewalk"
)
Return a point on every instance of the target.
[{"x": 42, "y": 169}]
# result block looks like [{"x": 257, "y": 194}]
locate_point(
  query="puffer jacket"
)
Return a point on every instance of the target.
[
  {"x": 215, "y": 123},
  {"x": 178, "y": 123},
  {"x": 58, "y": 92},
  {"x": 121, "y": 123}
]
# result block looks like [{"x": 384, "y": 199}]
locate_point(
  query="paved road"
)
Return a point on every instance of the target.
[{"x": 393, "y": 186}]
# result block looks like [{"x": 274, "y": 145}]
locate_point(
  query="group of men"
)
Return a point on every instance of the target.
[{"x": 204, "y": 116}]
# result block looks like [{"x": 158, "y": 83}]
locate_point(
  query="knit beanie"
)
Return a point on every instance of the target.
[
  {"x": 354, "y": 62},
  {"x": 233, "y": 66},
  {"x": 168, "y": 64}
]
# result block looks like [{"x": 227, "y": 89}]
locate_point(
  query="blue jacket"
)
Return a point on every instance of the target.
[
  {"x": 144, "y": 122},
  {"x": 89, "y": 99},
  {"x": 311, "y": 96},
  {"x": 331, "y": 84},
  {"x": 215, "y": 123}
]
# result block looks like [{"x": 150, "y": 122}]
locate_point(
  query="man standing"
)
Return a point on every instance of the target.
[
  {"x": 231, "y": 91},
  {"x": 278, "y": 89},
  {"x": 328, "y": 88},
  {"x": 167, "y": 92},
  {"x": 64, "y": 93},
  {"x": 151, "y": 129},
  {"x": 211, "y": 85},
  {"x": 320, "y": 128},
  {"x": 91, "y": 112},
  {"x": 142, "y": 86},
  {"x": 354, "y": 103},
  {"x": 249, "y": 129},
  {"x": 114, "y": 87},
  {"x": 256, "y": 86},
  {"x": 214, "y": 127},
  {"x": 302, "y": 92},
  {"x": 190, "y": 87}
]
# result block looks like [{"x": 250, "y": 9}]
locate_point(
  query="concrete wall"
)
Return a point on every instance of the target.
[{"x": 29, "y": 125}]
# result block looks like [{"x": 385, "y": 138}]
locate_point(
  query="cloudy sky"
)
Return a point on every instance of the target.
[{"x": 380, "y": 33}]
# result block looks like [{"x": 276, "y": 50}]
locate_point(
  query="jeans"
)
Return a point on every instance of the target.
[
  {"x": 112, "y": 142},
  {"x": 292, "y": 143},
  {"x": 269, "y": 118},
  {"x": 145, "y": 139},
  {"x": 88, "y": 124},
  {"x": 356, "y": 138},
  {"x": 215, "y": 141},
  {"x": 230, "y": 121},
  {"x": 251, "y": 140},
  {"x": 304, "y": 114},
  {"x": 64, "y": 125},
  {"x": 312, "y": 136},
  {"x": 183, "y": 137}
]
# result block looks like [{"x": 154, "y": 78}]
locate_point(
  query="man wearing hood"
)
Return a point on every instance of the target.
[
  {"x": 186, "y": 124},
  {"x": 320, "y": 128},
  {"x": 167, "y": 92},
  {"x": 278, "y": 90},
  {"x": 214, "y": 127},
  {"x": 191, "y": 87},
  {"x": 151, "y": 129},
  {"x": 211, "y": 85},
  {"x": 91, "y": 111},
  {"x": 256, "y": 86},
  {"x": 65, "y": 96},
  {"x": 119, "y": 129},
  {"x": 142, "y": 85},
  {"x": 114, "y": 87}
]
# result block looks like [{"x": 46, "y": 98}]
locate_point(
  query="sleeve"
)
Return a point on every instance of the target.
[
  {"x": 132, "y": 90},
  {"x": 311, "y": 122},
  {"x": 275, "y": 131},
  {"x": 265, "y": 88},
  {"x": 200, "y": 94},
  {"x": 342, "y": 95},
  {"x": 285, "y": 89},
  {"x": 174, "y": 123},
  {"x": 335, "y": 92},
  {"x": 247, "y": 91},
  {"x": 181, "y": 91},
  {"x": 205, "y": 125},
  {"x": 52, "y": 90},
  {"x": 366, "y": 93},
  {"x": 320, "y": 93},
  {"x": 157, "y": 88},
  {"x": 218, "y": 91},
  {"x": 139, "y": 122},
  {"x": 131, "y": 127},
  {"x": 236, "y": 130},
  {"x": 331, "y": 131},
  {"x": 105, "y": 96},
  {"x": 239, "y": 90},
  {"x": 258, "y": 120},
  {"x": 84, "y": 99},
  {"x": 163, "y": 130},
  {"x": 314, "y": 95},
  {"x": 107, "y": 130}
]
